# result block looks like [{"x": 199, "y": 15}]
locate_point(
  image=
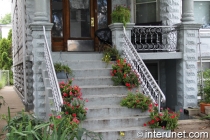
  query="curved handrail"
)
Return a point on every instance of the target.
[
  {"x": 53, "y": 79},
  {"x": 148, "y": 84}
]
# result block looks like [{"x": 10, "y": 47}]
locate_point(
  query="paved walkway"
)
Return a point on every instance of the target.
[{"x": 13, "y": 101}]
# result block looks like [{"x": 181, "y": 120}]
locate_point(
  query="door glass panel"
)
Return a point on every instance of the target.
[
  {"x": 80, "y": 18},
  {"x": 57, "y": 18},
  {"x": 102, "y": 13}
]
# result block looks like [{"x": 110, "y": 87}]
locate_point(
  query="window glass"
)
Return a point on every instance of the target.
[
  {"x": 146, "y": 12},
  {"x": 202, "y": 13}
]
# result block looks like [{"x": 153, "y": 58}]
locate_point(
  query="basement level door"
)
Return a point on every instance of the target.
[{"x": 75, "y": 23}]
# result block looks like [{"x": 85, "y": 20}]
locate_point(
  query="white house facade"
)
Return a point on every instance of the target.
[{"x": 164, "y": 34}]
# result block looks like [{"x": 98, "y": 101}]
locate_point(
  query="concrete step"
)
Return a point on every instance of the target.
[
  {"x": 105, "y": 89},
  {"x": 88, "y": 81},
  {"x": 87, "y": 64},
  {"x": 130, "y": 133},
  {"x": 91, "y": 72},
  {"x": 98, "y": 100},
  {"x": 66, "y": 56},
  {"x": 114, "y": 122},
  {"x": 113, "y": 111}
]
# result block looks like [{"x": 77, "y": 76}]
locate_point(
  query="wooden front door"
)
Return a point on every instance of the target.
[{"x": 75, "y": 23}]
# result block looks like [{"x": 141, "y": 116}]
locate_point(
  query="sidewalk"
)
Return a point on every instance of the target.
[{"x": 13, "y": 101}]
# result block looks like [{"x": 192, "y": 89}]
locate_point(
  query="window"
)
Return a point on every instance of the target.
[
  {"x": 202, "y": 12},
  {"x": 146, "y": 11}
]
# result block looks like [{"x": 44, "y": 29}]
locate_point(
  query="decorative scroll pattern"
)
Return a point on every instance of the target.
[
  {"x": 58, "y": 101},
  {"x": 148, "y": 84},
  {"x": 154, "y": 38}
]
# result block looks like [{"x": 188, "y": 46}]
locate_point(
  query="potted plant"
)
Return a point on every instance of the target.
[
  {"x": 62, "y": 71},
  {"x": 121, "y": 14},
  {"x": 166, "y": 119},
  {"x": 206, "y": 100},
  {"x": 136, "y": 100},
  {"x": 122, "y": 74},
  {"x": 110, "y": 54}
]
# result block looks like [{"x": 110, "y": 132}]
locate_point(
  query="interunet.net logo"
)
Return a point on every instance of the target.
[{"x": 172, "y": 135}]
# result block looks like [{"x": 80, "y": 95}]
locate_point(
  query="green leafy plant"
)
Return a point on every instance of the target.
[
  {"x": 167, "y": 119},
  {"x": 59, "y": 67},
  {"x": 2, "y": 102},
  {"x": 110, "y": 53},
  {"x": 59, "y": 127},
  {"x": 73, "y": 101},
  {"x": 136, "y": 100},
  {"x": 121, "y": 14},
  {"x": 122, "y": 74}
]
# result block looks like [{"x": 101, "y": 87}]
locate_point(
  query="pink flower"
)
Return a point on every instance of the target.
[{"x": 58, "y": 117}]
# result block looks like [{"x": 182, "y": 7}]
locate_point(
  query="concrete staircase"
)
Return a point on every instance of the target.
[{"x": 104, "y": 115}]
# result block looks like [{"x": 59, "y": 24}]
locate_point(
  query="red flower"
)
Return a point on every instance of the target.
[
  {"x": 65, "y": 95},
  {"x": 74, "y": 114},
  {"x": 66, "y": 112},
  {"x": 75, "y": 120},
  {"x": 58, "y": 117},
  {"x": 145, "y": 124}
]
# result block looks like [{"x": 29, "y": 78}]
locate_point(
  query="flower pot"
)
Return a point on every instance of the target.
[
  {"x": 202, "y": 107},
  {"x": 61, "y": 75},
  {"x": 207, "y": 110}
]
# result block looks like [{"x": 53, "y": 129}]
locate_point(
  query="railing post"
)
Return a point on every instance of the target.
[{"x": 117, "y": 34}]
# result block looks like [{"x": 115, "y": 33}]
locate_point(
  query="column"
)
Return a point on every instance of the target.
[
  {"x": 40, "y": 20},
  {"x": 187, "y": 66},
  {"x": 187, "y": 11}
]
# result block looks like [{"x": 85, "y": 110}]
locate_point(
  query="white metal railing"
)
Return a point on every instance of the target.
[
  {"x": 148, "y": 84},
  {"x": 53, "y": 79},
  {"x": 154, "y": 38}
]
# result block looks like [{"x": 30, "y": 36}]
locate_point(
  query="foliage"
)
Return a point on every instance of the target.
[
  {"x": 73, "y": 101},
  {"x": 110, "y": 52},
  {"x": 166, "y": 115},
  {"x": 2, "y": 102},
  {"x": 27, "y": 127},
  {"x": 61, "y": 67},
  {"x": 137, "y": 100},
  {"x": 6, "y": 55},
  {"x": 3, "y": 81},
  {"x": 206, "y": 89},
  {"x": 6, "y": 19},
  {"x": 121, "y": 14},
  {"x": 122, "y": 74}
]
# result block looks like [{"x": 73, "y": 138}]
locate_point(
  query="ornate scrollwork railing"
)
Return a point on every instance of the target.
[
  {"x": 58, "y": 101},
  {"x": 148, "y": 84},
  {"x": 154, "y": 38}
]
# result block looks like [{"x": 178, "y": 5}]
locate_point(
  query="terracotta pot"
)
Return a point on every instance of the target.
[{"x": 202, "y": 107}]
